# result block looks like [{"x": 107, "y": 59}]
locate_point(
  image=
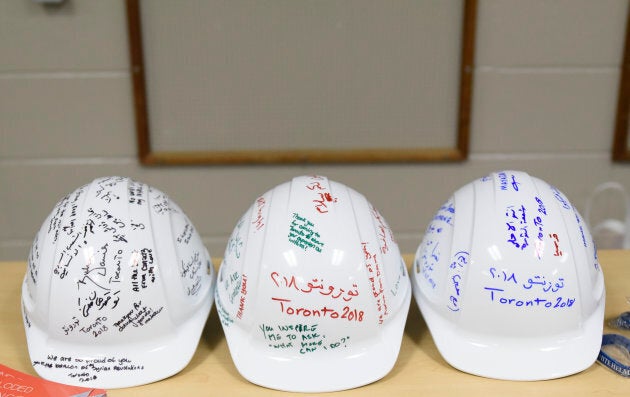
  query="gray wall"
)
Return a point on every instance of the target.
[{"x": 545, "y": 90}]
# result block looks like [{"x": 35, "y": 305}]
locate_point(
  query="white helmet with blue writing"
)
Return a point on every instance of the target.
[
  {"x": 313, "y": 293},
  {"x": 508, "y": 281},
  {"x": 118, "y": 287}
]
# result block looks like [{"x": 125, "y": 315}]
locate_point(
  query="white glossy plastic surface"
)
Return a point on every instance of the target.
[
  {"x": 508, "y": 281},
  {"x": 118, "y": 287},
  {"x": 313, "y": 293}
]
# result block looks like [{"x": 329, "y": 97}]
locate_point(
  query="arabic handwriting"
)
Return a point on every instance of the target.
[{"x": 314, "y": 285}]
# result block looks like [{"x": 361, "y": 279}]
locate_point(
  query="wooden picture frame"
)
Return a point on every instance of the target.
[{"x": 149, "y": 155}]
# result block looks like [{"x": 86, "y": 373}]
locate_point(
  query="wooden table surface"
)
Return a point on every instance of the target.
[{"x": 419, "y": 371}]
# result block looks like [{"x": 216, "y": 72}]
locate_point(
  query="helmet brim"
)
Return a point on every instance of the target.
[
  {"x": 323, "y": 373},
  {"x": 109, "y": 367},
  {"x": 520, "y": 359}
]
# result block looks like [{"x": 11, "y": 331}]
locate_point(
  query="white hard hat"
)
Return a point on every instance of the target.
[
  {"x": 313, "y": 293},
  {"x": 508, "y": 281},
  {"x": 118, "y": 287}
]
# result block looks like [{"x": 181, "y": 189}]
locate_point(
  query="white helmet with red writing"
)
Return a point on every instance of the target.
[
  {"x": 118, "y": 287},
  {"x": 508, "y": 281},
  {"x": 313, "y": 293}
]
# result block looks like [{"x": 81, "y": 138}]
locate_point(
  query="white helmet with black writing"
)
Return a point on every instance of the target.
[
  {"x": 508, "y": 281},
  {"x": 313, "y": 293},
  {"x": 118, "y": 287}
]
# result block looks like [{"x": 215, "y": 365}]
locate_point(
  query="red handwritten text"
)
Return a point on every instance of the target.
[
  {"x": 556, "y": 244},
  {"x": 259, "y": 222},
  {"x": 384, "y": 231},
  {"x": 347, "y": 313},
  {"x": 323, "y": 196},
  {"x": 241, "y": 303},
  {"x": 315, "y": 285},
  {"x": 376, "y": 280}
]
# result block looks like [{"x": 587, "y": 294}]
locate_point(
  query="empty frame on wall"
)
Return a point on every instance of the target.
[{"x": 310, "y": 81}]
